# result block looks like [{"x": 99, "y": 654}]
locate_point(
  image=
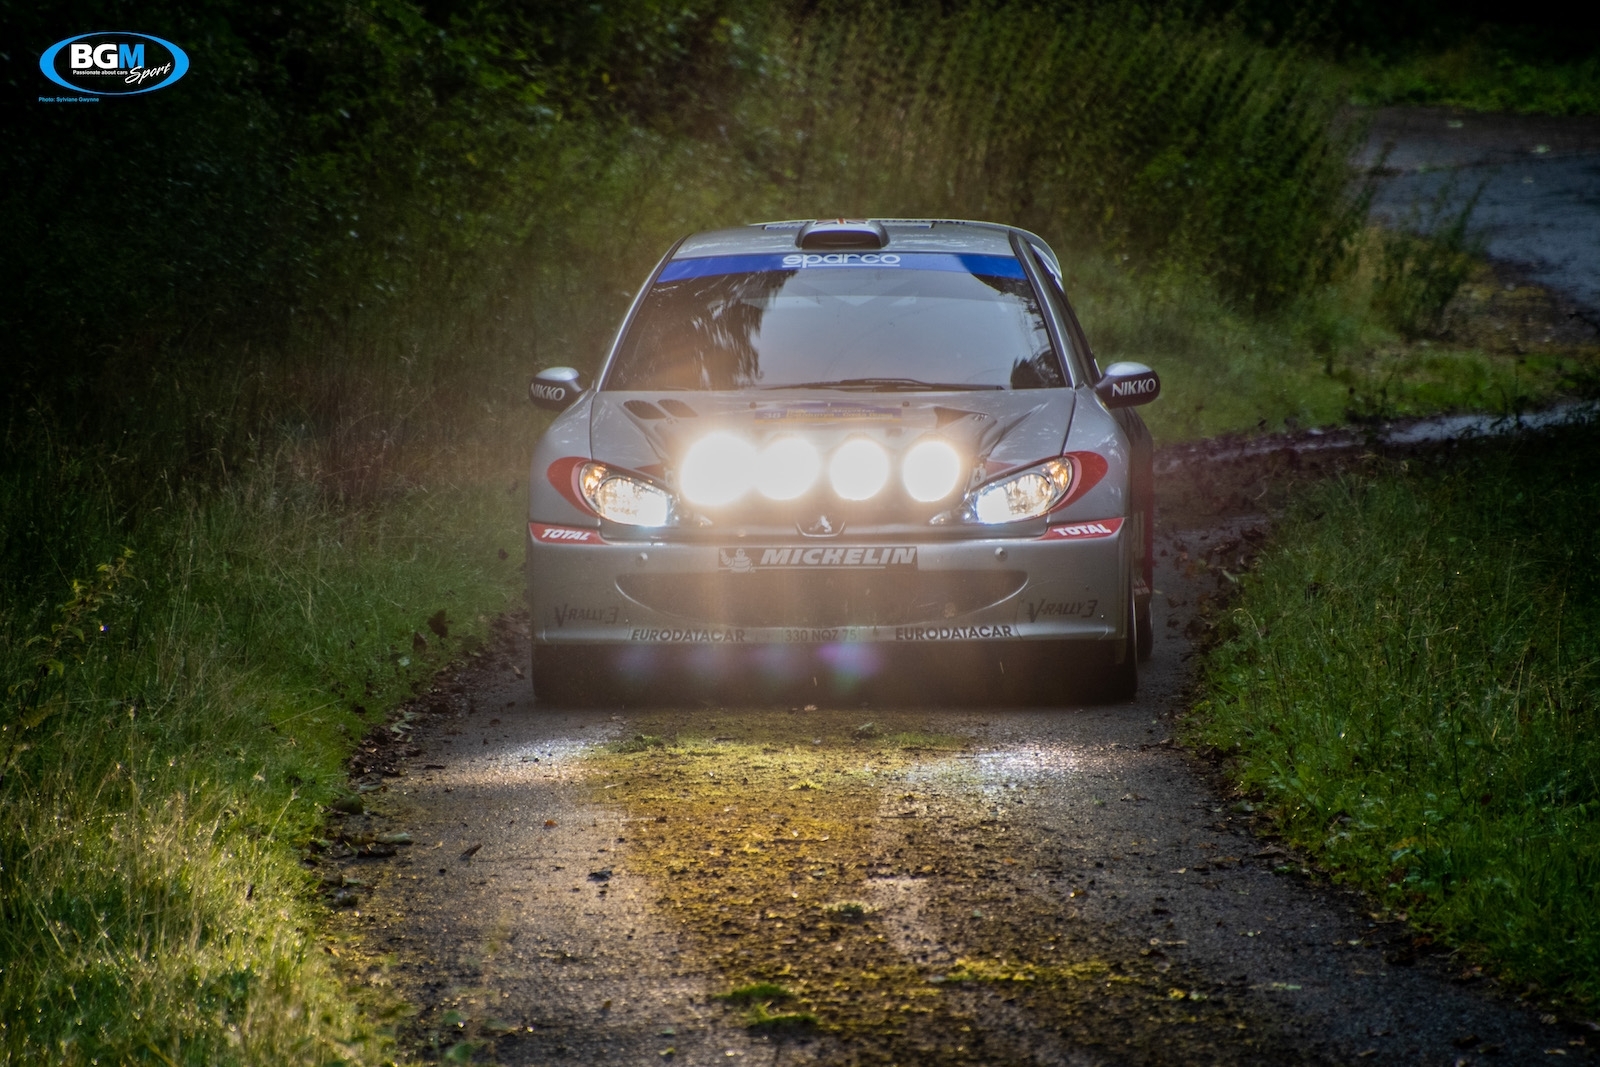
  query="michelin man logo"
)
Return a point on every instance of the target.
[{"x": 737, "y": 561}]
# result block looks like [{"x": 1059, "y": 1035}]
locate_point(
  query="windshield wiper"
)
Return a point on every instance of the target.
[{"x": 888, "y": 385}]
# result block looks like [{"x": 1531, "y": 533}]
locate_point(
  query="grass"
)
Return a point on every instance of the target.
[
  {"x": 152, "y": 904},
  {"x": 1480, "y": 75},
  {"x": 1335, "y": 354},
  {"x": 1412, "y": 681}
]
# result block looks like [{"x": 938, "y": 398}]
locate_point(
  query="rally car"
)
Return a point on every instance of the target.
[{"x": 838, "y": 434}]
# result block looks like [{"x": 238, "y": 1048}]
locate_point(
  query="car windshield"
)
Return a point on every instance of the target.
[{"x": 911, "y": 321}]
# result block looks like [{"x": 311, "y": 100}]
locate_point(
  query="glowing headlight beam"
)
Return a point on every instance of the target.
[
  {"x": 618, "y": 498},
  {"x": 858, "y": 469},
  {"x": 787, "y": 468},
  {"x": 931, "y": 470},
  {"x": 1023, "y": 496},
  {"x": 717, "y": 470}
]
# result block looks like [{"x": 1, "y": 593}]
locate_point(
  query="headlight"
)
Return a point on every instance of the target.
[
  {"x": 859, "y": 468},
  {"x": 1023, "y": 496},
  {"x": 717, "y": 470},
  {"x": 931, "y": 470},
  {"x": 619, "y": 498},
  {"x": 787, "y": 468}
]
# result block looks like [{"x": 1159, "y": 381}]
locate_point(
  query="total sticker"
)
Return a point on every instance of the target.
[
  {"x": 566, "y": 535},
  {"x": 1083, "y": 531}
]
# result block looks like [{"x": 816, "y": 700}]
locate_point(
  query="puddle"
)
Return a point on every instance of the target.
[{"x": 1401, "y": 433}]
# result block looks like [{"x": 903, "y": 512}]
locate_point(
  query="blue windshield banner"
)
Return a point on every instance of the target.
[{"x": 707, "y": 266}]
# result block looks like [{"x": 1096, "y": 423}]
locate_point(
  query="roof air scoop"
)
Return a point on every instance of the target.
[{"x": 827, "y": 234}]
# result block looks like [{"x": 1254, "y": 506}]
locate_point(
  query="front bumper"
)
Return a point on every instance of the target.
[{"x": 1071, "y": 583}]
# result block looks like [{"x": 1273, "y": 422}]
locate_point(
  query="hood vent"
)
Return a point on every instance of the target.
[{"x": 829, "y": 235}]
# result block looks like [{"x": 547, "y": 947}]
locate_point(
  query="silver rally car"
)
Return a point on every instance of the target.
[{"x": 845, "y": 435}]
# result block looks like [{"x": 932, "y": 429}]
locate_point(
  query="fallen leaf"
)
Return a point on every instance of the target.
[
  {"x": 602, "y": 875},
  {"x": 549, "y": 823},
  {"x": 471, "y": 851}
]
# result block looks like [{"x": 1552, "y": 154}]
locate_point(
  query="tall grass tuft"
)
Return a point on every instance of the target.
[
  {"x": 1412, "y": 679},
  {"x": 1422, "y": 264},
  {"x": 1130, "y": 130},
  {"x": 152, "y": 902}
]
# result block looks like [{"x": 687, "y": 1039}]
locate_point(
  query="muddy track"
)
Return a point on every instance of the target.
[{"x": 890, "y": 883}]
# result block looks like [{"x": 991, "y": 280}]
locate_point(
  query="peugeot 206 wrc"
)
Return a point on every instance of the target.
[{"x": 845, "y": 434}]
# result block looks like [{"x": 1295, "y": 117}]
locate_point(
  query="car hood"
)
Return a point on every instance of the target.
[{"x": 1000, "y": 429}]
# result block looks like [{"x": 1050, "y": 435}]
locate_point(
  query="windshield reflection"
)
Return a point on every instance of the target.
[{"x": 849, "y": 328}]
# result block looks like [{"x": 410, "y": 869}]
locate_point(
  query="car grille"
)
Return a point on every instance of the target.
[{"x": 788, "y": 598}]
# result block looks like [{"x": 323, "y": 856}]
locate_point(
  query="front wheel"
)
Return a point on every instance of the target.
[{"x": 1116, "y": 677}]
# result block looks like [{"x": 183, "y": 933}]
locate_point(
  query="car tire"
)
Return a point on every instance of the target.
[
  {"x": 567, "y": 677},
  {"x": 1117, "y": 679}
]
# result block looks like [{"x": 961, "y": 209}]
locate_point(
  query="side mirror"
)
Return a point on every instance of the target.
[
  {"x": 555, "y": 388},
  {"x": 1128, "y": 384}
]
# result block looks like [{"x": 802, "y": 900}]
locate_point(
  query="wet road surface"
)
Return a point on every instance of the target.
[
  {"x": 915, "y": 885},
  {"x": 1539, "y": 205}
]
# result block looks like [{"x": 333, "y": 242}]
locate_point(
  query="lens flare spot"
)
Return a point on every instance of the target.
[
  {"x": 787, "y": 468},
  {"x": 932, "y": 470},
  {"x": 717, "y": 470},
  {"x": 859, "y": 469}
]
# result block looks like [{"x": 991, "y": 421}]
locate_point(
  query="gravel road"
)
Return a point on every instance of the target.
[
  {"x": 1539, "y": 204},
  {"x": 926, "y": 884}
]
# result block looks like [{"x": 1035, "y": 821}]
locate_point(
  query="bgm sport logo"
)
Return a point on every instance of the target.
[{"x": 114, "y": 64}]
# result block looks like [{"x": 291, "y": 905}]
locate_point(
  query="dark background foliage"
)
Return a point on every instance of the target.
[{"x": 273, "y": 176}]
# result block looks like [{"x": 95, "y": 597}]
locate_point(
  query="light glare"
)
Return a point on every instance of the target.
[
  {"x": 859, "y": 469},
  {"x": 625, "y": 500},
  {"x": 1024, "y": 496},
  {"x": 717, "y": 470},
  {"x": 931, "y": 470},
  {"x": 788, "y": 467}
]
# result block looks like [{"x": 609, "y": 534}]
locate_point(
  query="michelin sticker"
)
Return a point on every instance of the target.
[{"x": 738, "y": 561}]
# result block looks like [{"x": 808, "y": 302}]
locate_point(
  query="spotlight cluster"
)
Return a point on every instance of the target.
[{"x": 722, "y": 468}]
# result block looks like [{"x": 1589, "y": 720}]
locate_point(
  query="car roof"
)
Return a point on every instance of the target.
[{"x": 905, "y": 235}]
